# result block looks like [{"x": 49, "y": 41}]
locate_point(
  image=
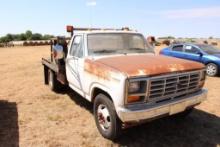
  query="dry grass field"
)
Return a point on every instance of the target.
[{"x": 32, "y": 115}]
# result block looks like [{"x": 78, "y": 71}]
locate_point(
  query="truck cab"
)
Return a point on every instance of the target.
[
  {"x": 126, "y": 82},
  {"x": 86, "y": 47}
]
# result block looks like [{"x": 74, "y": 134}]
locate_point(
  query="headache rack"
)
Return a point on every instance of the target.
[{"x": 71, "y": 29}]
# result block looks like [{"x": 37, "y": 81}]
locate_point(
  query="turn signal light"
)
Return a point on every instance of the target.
[{"x": 133, "y": 99}]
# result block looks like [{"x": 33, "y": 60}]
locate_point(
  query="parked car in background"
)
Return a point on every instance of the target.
[{"x": 203, "y": 53}]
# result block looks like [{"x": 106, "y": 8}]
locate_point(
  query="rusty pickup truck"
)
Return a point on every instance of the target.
[{"x": 127, "y": 83}]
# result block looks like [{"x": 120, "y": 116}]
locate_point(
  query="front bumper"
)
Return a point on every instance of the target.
[{"x": 143, "y": 112}]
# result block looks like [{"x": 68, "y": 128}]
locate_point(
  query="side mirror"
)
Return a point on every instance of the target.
[{"x": 200, "y": 53}]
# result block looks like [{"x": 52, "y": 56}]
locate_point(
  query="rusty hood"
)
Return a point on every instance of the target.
[{"x": 147, "y": 64}]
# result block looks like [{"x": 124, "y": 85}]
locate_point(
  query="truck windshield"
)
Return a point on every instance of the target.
[{"x": 116, "y": 43}]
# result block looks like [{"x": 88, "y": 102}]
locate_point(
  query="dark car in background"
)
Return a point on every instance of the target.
[{"x": 203, "y": 53}]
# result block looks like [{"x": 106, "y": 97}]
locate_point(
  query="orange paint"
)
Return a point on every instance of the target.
[
  {"x": 147, "y": 65},
  {"x": 133, "y": 99},
  {"x": 139, "y": 65},
  {"x": 98, "y": 69}
]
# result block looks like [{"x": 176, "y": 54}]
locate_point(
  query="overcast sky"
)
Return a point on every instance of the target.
[{"x": 188, "y": 18}]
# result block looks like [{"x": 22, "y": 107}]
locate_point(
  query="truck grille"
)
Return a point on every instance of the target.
[
  {"x": 158, "y": 89},
  {"x": 174, "y": 85}
]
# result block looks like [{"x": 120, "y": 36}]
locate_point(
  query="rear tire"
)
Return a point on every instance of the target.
[
  {"x": 211, "y": 69},
  {"x": 53, "y": 83},
  {"x": 106, "y": 119},
  {"x": 46, "y": 81}
]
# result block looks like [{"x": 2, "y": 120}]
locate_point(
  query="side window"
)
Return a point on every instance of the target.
[
  {"x": 178, "y": 48},
  {"x": 77, "y": 47},
  {"x": 191, "y": 49}
]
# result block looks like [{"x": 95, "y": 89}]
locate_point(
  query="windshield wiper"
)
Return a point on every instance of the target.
[{"x": 104, "y": 51}]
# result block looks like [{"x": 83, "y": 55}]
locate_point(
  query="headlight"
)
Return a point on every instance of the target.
[
  {"x": 134, "y": 87},
  {"x": 136, "y": 91}
]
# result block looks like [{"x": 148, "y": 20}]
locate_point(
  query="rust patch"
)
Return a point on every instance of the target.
[
  {"x": 142, "y": 65},
  {"x": 98, "y": 69}
]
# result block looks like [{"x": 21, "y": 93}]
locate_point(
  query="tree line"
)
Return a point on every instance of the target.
[{"x": 28, "y": 35}]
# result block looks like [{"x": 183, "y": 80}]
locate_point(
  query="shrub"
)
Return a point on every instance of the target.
[
  {"x": 166, "y": 42},
  {"x": 205, "y": 42},
  {"x": 214, "y": 43}
]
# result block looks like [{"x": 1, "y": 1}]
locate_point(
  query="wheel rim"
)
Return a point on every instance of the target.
[
  {"x": 50, "y": 79},
  {"x": 211, "y": 70},
  {"x": 103, "y": 117}
]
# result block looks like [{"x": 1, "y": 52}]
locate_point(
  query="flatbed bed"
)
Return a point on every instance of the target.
[{"x": 58, "y": 73}]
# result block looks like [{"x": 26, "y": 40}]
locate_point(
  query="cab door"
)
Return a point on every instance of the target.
[{"x": 75, "y": 63}]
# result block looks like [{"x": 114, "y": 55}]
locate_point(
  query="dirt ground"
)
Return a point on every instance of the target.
[{"x": 32, "y": 115}]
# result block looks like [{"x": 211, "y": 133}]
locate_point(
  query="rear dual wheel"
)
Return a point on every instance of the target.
[{"x": 53, "y": 82}]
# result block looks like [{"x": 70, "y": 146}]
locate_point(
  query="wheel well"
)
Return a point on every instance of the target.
[
  {"x": 211, "y": 62},
  {"x": 97, "y": 91}
]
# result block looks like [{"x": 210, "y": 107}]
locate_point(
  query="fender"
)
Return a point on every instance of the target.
[{"x": 100, "y": 86}]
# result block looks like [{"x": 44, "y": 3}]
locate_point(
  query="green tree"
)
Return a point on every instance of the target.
[
  {"x": 171, "y": 37},
  {"x": 3, "y": 39},
  {"x": 22, "y": 37},
  {"x": 9, "y": 37},
  {"x": 6, "y": 38},
  {"x": 36, "y": 36},
  {"x": 28, "y": 35},
  {"x": 47, "y": 37}
]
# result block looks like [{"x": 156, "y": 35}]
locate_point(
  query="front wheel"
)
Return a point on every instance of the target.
[
  {"x": 212, "y": 69},
  {"x": 106, "y": 118}
]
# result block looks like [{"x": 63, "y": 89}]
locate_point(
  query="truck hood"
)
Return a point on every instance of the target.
[{"x": 148, "y": 64}]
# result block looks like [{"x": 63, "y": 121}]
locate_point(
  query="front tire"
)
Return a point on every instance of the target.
[
  {"x": 106, "y": 118},
  {"x": 211, "y": 69}
]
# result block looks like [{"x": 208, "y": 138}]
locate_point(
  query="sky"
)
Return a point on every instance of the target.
[{"x": 188, "y": 18}]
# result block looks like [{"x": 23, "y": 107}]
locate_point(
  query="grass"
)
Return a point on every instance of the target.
[{"x": 44, "y": 118}]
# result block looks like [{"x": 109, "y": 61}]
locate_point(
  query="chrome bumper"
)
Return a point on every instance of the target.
[{"x": 144, "y": 112}]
